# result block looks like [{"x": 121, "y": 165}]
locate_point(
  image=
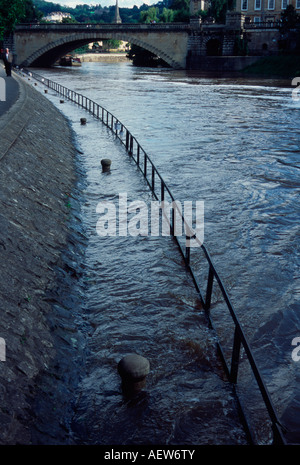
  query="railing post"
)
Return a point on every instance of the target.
[
  {"x": 153, "y": 179},
  {"x": 172, "y": 225},
  {"x": 235, "y": 356},
  {"x": 127, "y": 139},
  {"x": 131, "y": 145},
  {"x": 138, "y": 155},
  {"x": 162, "y": 191},
  {"x": 210, "y": 281},
  {"x": 187, "y": 251},
  {"x": 145, "y": 165}
]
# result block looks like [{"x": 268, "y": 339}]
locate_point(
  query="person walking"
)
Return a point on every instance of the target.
[{"x": 7, "y": 60}]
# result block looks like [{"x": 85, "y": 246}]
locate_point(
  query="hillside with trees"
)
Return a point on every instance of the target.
[{"x": 13, "y": 12}]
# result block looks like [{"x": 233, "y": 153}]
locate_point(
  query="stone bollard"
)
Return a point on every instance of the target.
[
  {"x": 62, "y": 101},
  {"x": 106, "y": 162},
  {"x": 46, "y": 91},
  {"x": 83, "y": 120},
  {"x": 133, "y": 369}
]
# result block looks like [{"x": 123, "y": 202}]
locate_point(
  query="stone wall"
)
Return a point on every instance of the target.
[{"x": 220, "y": 64}]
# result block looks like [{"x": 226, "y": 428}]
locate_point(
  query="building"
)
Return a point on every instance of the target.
[
  {"x": 257, "y": 11},
  {"x": 56, "y": 17}
]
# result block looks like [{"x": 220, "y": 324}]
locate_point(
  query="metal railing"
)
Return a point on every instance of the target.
[
  {"x": 161, "y": 192},
  {"x": 263, "y": 25}
]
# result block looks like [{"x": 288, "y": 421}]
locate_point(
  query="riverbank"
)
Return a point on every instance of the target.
[
  {"x": 103, "y": 57},
  {"x": 37, "y": 176}
]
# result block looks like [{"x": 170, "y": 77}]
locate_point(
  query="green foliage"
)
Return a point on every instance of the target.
[
  {"x": 290, "y": 31},
  {"x": 218, "y": 10},
  {"x": 48, "y": 7},
  {"x": 202, "y": 14},
  {"x": 92, "y": 13},
  {"x": 290, "y": 19},
  {"x": 82, "y": 49},
  {"x": 180, "y": 5},
  {"x": 113, "y": 43},
  {"x": 158, "y": 12},
  {"x": 32, "y": 13},
  {"x": 150, "y": 15},
  {"x": 11, "y": 12},
  {"x": 69, "y": 21},
  {"x": 167, "y": 15},
  {"x": 181, "y": 10}
]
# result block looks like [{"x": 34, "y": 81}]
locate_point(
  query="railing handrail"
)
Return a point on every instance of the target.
[
  {"x": 263, "y": 25},
  {"x": 239, "y": 337}
]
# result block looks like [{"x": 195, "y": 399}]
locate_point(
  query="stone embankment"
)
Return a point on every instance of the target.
[
  {"x": 37, "y": 174},
  {"x": 103, "y": 57}
]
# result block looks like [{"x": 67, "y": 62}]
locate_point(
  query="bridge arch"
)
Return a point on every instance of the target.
[{"x": 52, "y": 51}]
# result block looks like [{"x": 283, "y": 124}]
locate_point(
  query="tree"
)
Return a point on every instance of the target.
[
  {"x": 289, "y": 19},
  {"x": 149, "y": 15},
  {"x": 181, "y": 10},
  {"x": 180, "y": 5},
  {"x": 69, "y": 21},
  {"x": 167, "y": 15},
  {"x": 11, "y": 12},
  {"x": 218, "y": 10},
  {"x": 32, "y": 13},
  {"x": 113, "y": 43},
  {"x": 290, "y": 30}
]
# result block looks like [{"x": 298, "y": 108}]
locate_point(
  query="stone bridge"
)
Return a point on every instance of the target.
[
  {"x": 181, "y": 45},
  {"x": 41, "y": 45}
]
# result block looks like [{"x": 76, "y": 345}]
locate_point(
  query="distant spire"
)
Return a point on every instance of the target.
[{"x": 117, "y": 14}]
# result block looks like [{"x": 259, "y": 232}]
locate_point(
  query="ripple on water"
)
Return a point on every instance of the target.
[{"x": 240, "y": 157}]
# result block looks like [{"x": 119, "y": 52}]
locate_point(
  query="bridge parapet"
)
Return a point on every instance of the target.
[{"x": 103, "y": 27}]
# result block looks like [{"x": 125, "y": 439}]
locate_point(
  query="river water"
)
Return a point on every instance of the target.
[{"x": 234, "y": 144}]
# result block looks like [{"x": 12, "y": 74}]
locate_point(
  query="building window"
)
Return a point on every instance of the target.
[
  {"x": 256, "y": 19},
  {"x": 298, "y": 4},
  {"x": 257, "y": 4},
  {"x": 244, "y": 5},
  {"x": 271, "y": 4},
  {"x": 284, "y": 4}
]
